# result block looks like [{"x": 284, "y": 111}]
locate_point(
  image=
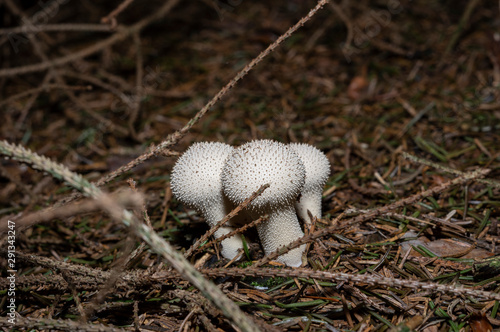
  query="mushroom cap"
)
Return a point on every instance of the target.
[
  {"x": 316, "y": 164},
  {"x": 196, "y": 177},
  {"x": 259, "y": 162},
  {"x": 196, "y": 182}
]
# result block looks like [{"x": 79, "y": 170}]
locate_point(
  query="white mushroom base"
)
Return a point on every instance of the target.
[
  {"x": 230, "y": 246},
  {"x": 309, "y": 201},
  {"x": 276, "y": 234}
]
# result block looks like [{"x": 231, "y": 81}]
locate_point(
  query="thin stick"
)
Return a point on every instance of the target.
[
  {"x": 415, "y": 119},
  {"x": 111, "y": 17},
  {"x": 116, "y": 274},
  {"x": 157, "y": 243},
  {"x": 89, "y": 276},
  {"x": 230, "y": 215},
  {"x": 126, "y": 199},
  {"x": 45, "y": 87},
  {"x": 471, "y": 5},
  {"x": 446, "y": 169},
  {"x": 374, "y": 280},
  {"x": 96, "y": 82},
  {"x": 122, "y": 34},
  {"x": 347, "y": 21},
  {"x": 175, "y": 137},
  {"x": 57, "y": 27},
  {"x": 55, "y": 324},
  {"x": 372, "y": 214},
  {"x": 236, "y": 231},
  {"x": 136, "y": 102}
]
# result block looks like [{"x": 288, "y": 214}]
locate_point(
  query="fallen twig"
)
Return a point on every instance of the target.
[
  {"x": 175, "y": 137},
  {"x": 230, "y": 215},
  {"x": 156, "y": 243},
  {"x": 349, "y": 277},
  {"x": 372, "y": 214}
]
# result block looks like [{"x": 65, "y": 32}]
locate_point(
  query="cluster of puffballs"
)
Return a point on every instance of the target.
[{"x": 213, "y": 178}]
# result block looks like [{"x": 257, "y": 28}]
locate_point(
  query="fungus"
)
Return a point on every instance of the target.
[
  {"x": 255, "y": 164},
  {"x": 317, "y": 172},
  {"x": 196, "y": 182}
]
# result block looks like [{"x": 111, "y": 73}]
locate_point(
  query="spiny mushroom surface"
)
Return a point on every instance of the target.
[
  {"x": 196, "y": 182},
  {"x": 317, "y": 172},
  {"x": 260, "y": 162}
]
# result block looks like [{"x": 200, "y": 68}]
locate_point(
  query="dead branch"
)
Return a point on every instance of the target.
[
  {"x": 373, "y": 213},
  {"x": 221, "y": 223}
]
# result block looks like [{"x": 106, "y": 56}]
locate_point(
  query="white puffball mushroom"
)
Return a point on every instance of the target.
[
  {"x": 196, "y": 182},
  {"x": 260, "y": 162},
  {"x": 317, "y": 173}
]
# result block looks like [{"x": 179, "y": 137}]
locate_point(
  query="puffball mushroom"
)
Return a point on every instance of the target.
[
  {"x": 317, "y": 172},
  {"x": 196, "y": 182},
  {"x": 260, "y": 162}
]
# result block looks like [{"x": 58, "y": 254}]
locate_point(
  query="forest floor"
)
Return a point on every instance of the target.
[{"x": 402, "y": 97}]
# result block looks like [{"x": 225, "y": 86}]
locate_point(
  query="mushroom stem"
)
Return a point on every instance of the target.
[
  {"x": 273, "y": 236},
  {"x": 230, "y": 246},
  {"x": 317, "y": 171},
  {"x": 310, "y": 201}
]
